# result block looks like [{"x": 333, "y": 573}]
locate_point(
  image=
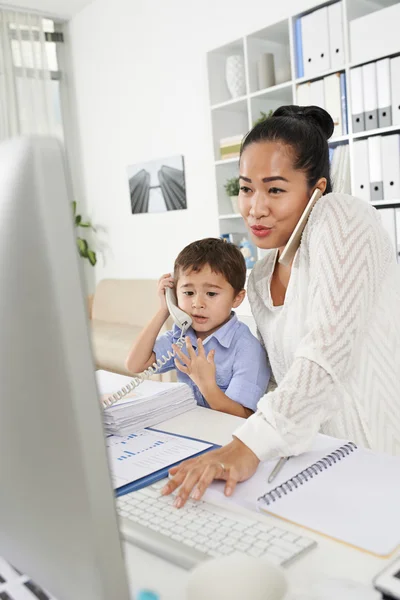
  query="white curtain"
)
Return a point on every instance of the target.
[{"x": 28, "y": 93}]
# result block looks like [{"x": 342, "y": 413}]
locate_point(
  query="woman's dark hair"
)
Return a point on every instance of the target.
[
  {"x": 306, "y": 129},
  {"x": 221, "y": 256}
]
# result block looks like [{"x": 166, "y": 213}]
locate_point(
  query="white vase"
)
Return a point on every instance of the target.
[
  {"x": 266, "y": 71},
  {"x": 234, "y": 73},
  {"x": 235, "y": 203}
]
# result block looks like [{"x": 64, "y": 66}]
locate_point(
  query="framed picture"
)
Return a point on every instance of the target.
[{"x": 157, "y": 185}]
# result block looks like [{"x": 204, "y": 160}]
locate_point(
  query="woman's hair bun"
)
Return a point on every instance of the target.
[{"x": 316, "y": 114}]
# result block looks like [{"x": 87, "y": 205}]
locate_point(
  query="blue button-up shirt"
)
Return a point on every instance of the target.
[{"x": 242, "y": 370}]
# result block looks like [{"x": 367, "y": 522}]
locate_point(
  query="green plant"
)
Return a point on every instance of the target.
[
  {"x": 232, "y": 186},
  {"x": 263, "y": 116},
  {"x": 82, "y": 244}
]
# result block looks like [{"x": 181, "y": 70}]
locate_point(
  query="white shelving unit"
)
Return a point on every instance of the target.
[{"x": 231, "y": 117}]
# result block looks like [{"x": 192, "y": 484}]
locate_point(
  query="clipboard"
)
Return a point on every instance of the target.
[{"x": 151, "y": 478}]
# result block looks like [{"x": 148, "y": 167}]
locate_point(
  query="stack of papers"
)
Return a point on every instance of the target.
[{"x": 147, "y": 405}]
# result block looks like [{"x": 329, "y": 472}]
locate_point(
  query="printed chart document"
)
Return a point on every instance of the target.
[{"x": 147, "y": 451}]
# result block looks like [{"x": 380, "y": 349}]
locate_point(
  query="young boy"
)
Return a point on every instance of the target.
[{"x": 222, "y": 361}]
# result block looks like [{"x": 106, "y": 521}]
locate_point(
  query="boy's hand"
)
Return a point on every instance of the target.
[
  {"x": 199, "y": 367},
  {"x": 165, "y": 281}
]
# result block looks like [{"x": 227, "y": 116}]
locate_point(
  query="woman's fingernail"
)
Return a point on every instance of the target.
[
  {"x": 178, "y": 502},
  {"x": 228, "y": 491},
  {"x": 196, "y": 495},
  {"x": 164, "y": 490}
]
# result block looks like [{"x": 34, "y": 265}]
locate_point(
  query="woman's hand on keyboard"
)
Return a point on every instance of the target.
[{"x": 234, "y": 462}]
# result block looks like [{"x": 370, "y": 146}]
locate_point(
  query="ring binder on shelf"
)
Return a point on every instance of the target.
[{"x": 311, "y": 471}]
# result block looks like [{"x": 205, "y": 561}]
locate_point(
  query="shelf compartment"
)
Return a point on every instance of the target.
[
  {"x": 360, "y": 8},
  {"x": 222, "y": 174},
  {"x": 273, "y": 39},
  {"x": 270, "y": 100},
  {"x": 229, "y": 121},
  {"x": 216, "y": 59}
]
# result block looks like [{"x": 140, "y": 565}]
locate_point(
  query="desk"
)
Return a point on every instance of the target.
[{"x": 330, "y": 558}]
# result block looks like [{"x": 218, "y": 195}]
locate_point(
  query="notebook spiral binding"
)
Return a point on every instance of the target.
[
  {"x": 135, "y": 381},
  {"x": 312, "y": 471}
]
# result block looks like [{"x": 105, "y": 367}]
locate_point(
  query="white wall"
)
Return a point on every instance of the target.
[{"x": 140, "y": 80}]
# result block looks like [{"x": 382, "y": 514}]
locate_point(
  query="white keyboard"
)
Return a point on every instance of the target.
[{"x": 201, "y": 530}]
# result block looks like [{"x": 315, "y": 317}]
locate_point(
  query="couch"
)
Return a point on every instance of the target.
[{"x": 118, "y": 311}]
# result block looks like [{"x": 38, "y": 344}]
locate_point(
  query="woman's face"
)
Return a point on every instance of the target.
[{"x": 272, "y": 194}]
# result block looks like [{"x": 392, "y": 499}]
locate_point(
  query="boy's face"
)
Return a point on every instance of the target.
[{"x": 208, "y": 298}]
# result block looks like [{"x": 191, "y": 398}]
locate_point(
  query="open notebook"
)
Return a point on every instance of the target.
[{"x": 337, "y": 489}]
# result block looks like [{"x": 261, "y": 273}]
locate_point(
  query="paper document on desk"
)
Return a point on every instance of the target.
[
  {"x": 147, "y": 405},
  {"x": 146, "y": 452}
]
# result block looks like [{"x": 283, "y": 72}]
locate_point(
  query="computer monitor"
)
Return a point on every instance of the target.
[{"x": 57, "y": 517}]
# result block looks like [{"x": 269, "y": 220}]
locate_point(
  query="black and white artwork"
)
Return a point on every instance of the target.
[{"x": 158, "y": 185}]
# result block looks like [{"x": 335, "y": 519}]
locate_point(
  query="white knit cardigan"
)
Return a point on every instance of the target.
[{"x": 334, "y": 345}]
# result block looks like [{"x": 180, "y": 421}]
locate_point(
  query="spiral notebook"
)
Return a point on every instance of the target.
[
  {"x": 337, "y": 489},
  {"x": 351, "y": 494}
]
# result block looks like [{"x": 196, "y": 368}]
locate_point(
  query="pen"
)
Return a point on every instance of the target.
[{"x": 277, "y": 468}]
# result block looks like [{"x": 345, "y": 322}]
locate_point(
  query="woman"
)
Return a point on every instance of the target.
[{"x": 330, "y": 321}]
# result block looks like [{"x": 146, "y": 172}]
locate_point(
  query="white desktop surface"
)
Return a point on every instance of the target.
[{"x": 330, "y": 558}]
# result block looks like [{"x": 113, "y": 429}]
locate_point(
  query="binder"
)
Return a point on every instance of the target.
[
  {"x": 375, "y": 167},
  {"x": 340, "y": 169},
  {"x": 388, "y": 220},
  {"x": 299, "y": 48},
  {"x": 361, "y": 184},
  {"x": 333, "y": 102},
  {"x": 336, "y": 45},
  {"x": 304, "y": 94},
  {"x": 343, "y": 98},
  {"x": 349, "y": 493},
  {"x": 391, "y": 166},
  {"x": 315, "y": 36},
  {"x": 357, "y": 100},
  {"x": 370, "y": 96},
  {"x": 384, "y": 95},
  {"x": 395, "y": 89},
  {"x": 317, "y": 93}
]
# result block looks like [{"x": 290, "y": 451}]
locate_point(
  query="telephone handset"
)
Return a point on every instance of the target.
[
  {"x": 294, "y": 241},
  {"x": 183, "y": 321}
]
